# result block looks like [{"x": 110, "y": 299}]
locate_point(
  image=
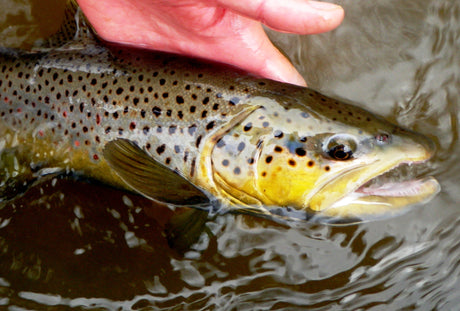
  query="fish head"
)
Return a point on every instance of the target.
[{"x": 320, "y": 155}]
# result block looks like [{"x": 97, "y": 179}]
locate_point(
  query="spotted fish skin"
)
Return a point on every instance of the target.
[
  {"x": 66, "y": 105},
  {"x": 245, "y": 140}
]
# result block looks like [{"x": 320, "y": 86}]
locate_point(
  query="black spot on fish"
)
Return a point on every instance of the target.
[
  {"x": 119, "y": 91},
  {"x": 247, "y": 127},
  {"x": 278, "y": 149},
  {"x": 225, "y": 162},
  {"x": 169, "y": 112},
  {"x": 241, "y": 146},
  {"x": 162, "y": 81},
  {"x": 210, "y": 125},
  {"x": 156, "y": 111},
  {"x": 300, "y": 152},
  {"x": 291, "y": 162},
  {"x": 237, "y": 171},
  {"x": 204, "y": 113},
  {"x": 145, "y": 130},
  {"x": 205, "y": 100},
  {"x": 198, "y": 141},
  {"x": 310, "y": 163},
  {"x": 268, "y": 159},
  {"x": 172, "y": 129},
  {"x": 176, "y": 149},
  {"x": 165, "y": 95},
  {"x": 161, "y": 149},
  {"x": 233, "y": 101},
  {"x": 192, "y": 168},
  {"x": 179, "y": 99},
  {"x": 278, "y": 134},
  {"x": 265, "y": 124}
]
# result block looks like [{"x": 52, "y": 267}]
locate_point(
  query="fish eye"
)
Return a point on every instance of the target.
[
  {"x": 382, "y": 139},
  {"x": 340, "y": 147}
]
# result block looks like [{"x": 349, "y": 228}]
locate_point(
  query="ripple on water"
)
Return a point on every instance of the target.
[{"x": 69, "y": 244}]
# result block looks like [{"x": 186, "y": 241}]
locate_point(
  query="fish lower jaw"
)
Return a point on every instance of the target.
[
  {"x": 395, "y": 189},
  {"x": 376, "y": 199},
  {"x": 391, "y": 192}
]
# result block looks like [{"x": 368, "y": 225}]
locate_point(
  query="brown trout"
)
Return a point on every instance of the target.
[{"x": 187, "y": 132}]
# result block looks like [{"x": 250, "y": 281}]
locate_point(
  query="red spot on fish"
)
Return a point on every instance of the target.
[
  {"x": 64, "y": 114},
  {"x": 6, "y": 99},
  {"x": 77, "y": 143},
  {"x": 98, "y": 119},
  {"x": 19, "y": 110},
  {"x": 40, "y": 133},
  {"x": 95, "y": 157}
]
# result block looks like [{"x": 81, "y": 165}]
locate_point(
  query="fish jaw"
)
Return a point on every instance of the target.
[{"x": 347, "y": 195}]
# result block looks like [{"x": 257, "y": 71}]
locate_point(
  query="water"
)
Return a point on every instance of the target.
[{"x": 68, "y": 245}]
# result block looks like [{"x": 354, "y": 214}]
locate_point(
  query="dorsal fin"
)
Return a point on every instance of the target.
[{"x": 74, "y": 29}]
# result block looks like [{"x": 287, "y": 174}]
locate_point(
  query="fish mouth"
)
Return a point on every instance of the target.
[
  {"x": 383, "y": 196},
  {"x": 376, "y": 189}
]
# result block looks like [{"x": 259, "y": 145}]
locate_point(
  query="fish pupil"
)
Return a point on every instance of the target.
[{"x": 340, "y": 152}]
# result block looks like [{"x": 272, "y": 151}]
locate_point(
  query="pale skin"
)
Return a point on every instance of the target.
[{"x": 227, "y": 31}]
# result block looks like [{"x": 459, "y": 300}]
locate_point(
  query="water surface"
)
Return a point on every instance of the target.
[{"x": 74, "y": 245}]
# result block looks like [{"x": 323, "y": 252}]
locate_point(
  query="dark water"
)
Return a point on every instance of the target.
[{"x": 68, "y": 245}]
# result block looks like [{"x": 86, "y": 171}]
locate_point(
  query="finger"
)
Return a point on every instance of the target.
[
  {"x": 255, "y": 53},
  {"x": 295, "y": 16}
]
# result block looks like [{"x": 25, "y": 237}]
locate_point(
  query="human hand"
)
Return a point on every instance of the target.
[{"x": 227, "y": 31}]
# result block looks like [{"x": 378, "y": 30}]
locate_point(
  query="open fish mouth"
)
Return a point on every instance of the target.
[{"x": 387, "y": 193}]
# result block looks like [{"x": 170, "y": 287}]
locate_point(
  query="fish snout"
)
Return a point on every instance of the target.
[{"x": 417, "y": 147}]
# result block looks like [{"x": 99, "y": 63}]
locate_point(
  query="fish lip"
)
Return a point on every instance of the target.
[
  {"x": 395, "y": 165},
  {"x": 394, "y": 168}
]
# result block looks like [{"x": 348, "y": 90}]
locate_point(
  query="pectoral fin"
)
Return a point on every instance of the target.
[
  {"x": 149, "y": 177},
  {"x": 185, "y": 228}
]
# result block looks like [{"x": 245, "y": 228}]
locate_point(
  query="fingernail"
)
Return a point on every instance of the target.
[{"x": 324, "y": 6}]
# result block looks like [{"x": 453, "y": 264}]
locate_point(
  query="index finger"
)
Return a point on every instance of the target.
[{"x": 294, "y": 16}]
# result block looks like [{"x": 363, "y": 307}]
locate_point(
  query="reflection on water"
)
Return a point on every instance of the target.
[{"x": 85, "y": 246}]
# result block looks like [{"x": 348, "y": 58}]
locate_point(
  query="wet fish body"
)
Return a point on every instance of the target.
[{"x": 194, "y": 130}]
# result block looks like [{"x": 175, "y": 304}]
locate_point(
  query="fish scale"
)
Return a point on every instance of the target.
[{"x": 90, "y": 98}]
